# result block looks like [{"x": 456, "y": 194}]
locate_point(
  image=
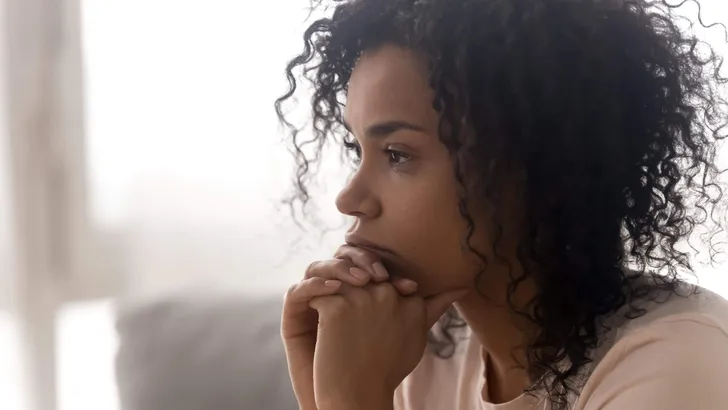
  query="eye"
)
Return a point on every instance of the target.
[
  {"x": 397, "y": 157},
  {"x": 354, "y": 151}
]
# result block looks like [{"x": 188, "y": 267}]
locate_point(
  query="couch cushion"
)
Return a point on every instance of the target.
[{"x": 203, "y": 352}]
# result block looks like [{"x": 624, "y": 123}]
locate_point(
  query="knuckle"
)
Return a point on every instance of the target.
[
  {"x": 333, "y": 306},
  {"x": 341, "y": 251},
  {"x": 342, "y": 263},
  {"x": 328, "y": 269},
  {"x": 369, "y": 258},
  {"x": 311, "y": 269},
  {"x": 358, "y": 297},
  {"x": 359, "y": 255},
  {"x": 340, "y": 268},
  {"x": 338, "y": 303},
  {"x": 291, "y": 291},
  {"x": 385, "y": 291},
  {"x": 365, "y": 256}
]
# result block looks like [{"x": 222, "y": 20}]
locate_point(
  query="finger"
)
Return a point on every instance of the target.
[
  {"x": 310, "y": 288},
  {"x": 296, "y": 315},
  {"x": 326, "y": 305},
  {"x": 405, "y": 287},
  {"x": 437, "y": 305},
  {"x": 297, "y": 298},
  {"x": 360, "y": 295},
  {"x": 384, "y": 293},
  {"x": 365, "y": 260},
  {"x": 338, "y": 269}
]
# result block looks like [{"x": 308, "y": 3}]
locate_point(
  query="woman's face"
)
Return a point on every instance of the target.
[{"x": 404, "y": 194}]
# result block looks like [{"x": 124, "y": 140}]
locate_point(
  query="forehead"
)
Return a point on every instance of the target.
[{"x": 388, "y": 83}]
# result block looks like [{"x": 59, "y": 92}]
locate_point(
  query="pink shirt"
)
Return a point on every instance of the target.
[{"x": 675, "y": 357}]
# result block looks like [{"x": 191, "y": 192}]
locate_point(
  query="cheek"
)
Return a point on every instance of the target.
[{"x": 430, "y": 234}]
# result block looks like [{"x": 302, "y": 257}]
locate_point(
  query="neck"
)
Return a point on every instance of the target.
[{"x": 503, "y": 335}]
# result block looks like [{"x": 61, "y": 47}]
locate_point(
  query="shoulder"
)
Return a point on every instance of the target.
[{"x": 674, "y": 357}]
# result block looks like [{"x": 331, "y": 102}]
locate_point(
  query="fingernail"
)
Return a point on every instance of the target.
[
  {"x": 358, "y": 273},
  {"x": 380, "y": 271},
  {"x": 409, "y": 283},
  {"x": 332, "y": 283}
]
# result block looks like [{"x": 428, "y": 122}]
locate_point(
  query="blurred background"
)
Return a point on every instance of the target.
[{"x": 140, "y": 158}]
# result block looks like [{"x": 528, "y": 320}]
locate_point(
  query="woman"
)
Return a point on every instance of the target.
[{"x": 538, "y": 163}]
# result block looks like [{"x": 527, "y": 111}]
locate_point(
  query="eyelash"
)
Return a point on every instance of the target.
[
  {"x": 396, "y": 158},
  {"x": 353, "y": 149}
]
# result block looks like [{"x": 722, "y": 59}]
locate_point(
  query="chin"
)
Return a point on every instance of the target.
[{"x": 428, "y": 283}]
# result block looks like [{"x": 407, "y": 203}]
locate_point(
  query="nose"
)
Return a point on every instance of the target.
[{"x": 358, "y": 199}]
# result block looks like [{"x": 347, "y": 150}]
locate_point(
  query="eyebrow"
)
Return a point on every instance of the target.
[{"x": 383, "y": 129}]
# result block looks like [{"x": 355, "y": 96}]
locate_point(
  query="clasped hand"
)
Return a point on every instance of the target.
[{"x": 351, "y": 335}]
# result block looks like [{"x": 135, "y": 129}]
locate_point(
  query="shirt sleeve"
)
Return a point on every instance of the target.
[{"x": 675, "y": 364}]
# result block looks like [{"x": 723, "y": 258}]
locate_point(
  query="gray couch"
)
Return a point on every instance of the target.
[{"x": 203, "y": 352}]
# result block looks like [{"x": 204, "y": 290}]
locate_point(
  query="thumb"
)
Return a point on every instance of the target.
[{"x": 437, "y": 305}]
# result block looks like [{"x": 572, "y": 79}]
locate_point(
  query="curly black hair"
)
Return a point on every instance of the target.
[{"x": 610, "y": 109}]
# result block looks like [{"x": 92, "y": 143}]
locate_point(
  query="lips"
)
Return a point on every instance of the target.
[
  {"x": 396, "y": 264},
  {"x": 359, "y": 242}
]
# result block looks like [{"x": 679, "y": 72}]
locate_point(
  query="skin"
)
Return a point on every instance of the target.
[
  {"x": 350, "y": 266},
  {"x": 404, "y": 198}
]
